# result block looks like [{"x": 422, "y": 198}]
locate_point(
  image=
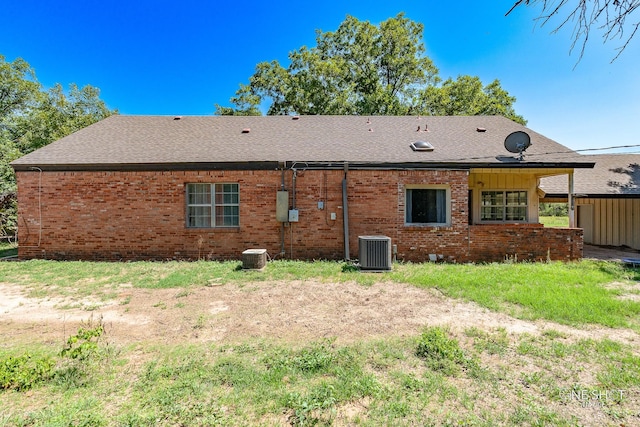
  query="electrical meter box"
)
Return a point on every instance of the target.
[
  {"x": 282, "y": 206},
  {"x": 293, "y": 215}
]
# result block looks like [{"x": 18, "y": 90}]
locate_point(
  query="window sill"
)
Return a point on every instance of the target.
[
  {"x": 428, "y": 227},
  {"x": 515, "y": 223},
  {"x": 214, "y": 229}
]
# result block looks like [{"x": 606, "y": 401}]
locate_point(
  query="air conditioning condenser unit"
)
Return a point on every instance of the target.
[{"x": 374, "y": 252}]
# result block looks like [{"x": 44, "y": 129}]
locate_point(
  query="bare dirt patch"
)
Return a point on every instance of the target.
[{"x": 295, "y": 311}]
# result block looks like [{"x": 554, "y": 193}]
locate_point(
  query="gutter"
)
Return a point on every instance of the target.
[{"x": 275, "y": 165}]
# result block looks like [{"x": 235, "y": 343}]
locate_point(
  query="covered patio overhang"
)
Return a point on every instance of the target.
[{"x": 525, "y": 178}]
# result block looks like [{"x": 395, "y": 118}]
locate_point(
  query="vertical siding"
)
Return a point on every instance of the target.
[
  {"x": 634, "y": 222},
  {"x": 616, "y": 221}
]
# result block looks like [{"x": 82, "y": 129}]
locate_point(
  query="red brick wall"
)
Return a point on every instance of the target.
[
  {"x": 530, "y": 242},
  {"x": 141, "y": 215}
]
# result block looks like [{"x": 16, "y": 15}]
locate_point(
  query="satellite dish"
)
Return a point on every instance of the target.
[{"x": 517, "y": 142}]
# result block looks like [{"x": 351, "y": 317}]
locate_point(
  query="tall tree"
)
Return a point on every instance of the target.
[
  {"x": 18, "y": 88},
  {"x": 31, "y": 117},
  {"x": 59, "y": 114},
  {"x": 363, "y": 69},
  {"x": 609, "y": 16},
  {"x": 19, "y": 94},
  {"x": 358, "y": 69},
  {"x": 467, "y": 96}
]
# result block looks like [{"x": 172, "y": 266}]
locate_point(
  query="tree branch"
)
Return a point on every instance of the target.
[{"x": 610, "y": 16}]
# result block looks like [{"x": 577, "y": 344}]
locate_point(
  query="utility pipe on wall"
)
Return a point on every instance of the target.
[
  {"x": 345, "y": 212},
  {"x": 39, "y": 211},
  {"x": 282, "y": 187}
]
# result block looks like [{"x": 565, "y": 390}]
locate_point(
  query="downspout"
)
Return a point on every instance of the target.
[
  {"x": 571, "y": 200},
  {"x": 293, "y": 206},
  {"x": 282, "y": 250},
  {"x": 345, "y": 213},
  {"x": 293, "y": 188},
  {"x": 39, "y": 208}
]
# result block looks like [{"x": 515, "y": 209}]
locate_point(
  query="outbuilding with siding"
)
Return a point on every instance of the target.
[{"x": 607, "y": 199}]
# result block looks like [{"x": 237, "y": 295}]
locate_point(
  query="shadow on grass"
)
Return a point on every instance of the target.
[
  {"x": 8, "y": 251},
  {"x": 632, "y": 272}
]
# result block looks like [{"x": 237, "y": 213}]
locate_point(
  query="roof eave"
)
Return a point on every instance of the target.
[
  {"x": 594, "y": 195},
  {"x": 272, "y": 165}
]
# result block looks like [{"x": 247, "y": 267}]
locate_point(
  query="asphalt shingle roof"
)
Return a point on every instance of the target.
[
  {"x": 613, "y": 174},
  {"x": 145, "y": 140}
]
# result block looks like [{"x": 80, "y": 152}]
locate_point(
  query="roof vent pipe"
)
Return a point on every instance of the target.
[{"x": 246, "y": 130}]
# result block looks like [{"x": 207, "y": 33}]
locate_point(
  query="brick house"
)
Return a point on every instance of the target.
[{"x": 157, "y": 187}]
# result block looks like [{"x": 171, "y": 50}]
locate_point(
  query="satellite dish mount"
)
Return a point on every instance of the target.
[{"x": 517, "y": 142}]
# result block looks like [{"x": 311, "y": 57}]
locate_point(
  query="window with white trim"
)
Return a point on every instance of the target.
[
  {"x": 428, "y": 206},
  {"x": 213, "y": 205},
  {"x": 503, "y": 206}
]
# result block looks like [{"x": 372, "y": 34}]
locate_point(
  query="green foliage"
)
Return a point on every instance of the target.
[
  {"x": 349, "y": 268},
  {"x": 8, "y": 207},
  {"x": 70, "y": 370},
  {"x": 366, "y": 69},
  {"x": 84, "y": 344},
  {"x": 18, "y": 86},
  {"x": 24, "y": 371},
  {"x": 554, "y": 209},
  {"x": 59, "y": 114},
  {"x": 311, "y": 408},
  {"x": 466, "y": 96},
  {"x": 31, "y": 117},
  {"x": 441, "y": 353},
  {"x": 317, "y": 357}
]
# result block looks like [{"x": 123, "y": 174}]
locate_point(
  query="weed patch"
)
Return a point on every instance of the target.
[
  {"x": 442, "y": 353},
  {"x": 70, "y": 369},
  {"x": 312, "y": 359},
  {"x": 25, "y": 371}
]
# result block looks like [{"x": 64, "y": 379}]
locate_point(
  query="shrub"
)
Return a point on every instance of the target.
[
  {"x": 84, "y": 343},
  {"x": 554, "y": 209},
  {"x": 25, "y": 371}
]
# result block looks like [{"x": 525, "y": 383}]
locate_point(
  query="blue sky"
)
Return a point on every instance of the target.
[{"x": 182, "y": 57}]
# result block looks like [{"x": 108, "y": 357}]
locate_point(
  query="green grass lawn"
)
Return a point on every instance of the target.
[
  {"x": 555, "y": 221},
  {"x": 569, "y": 293},
  {"x": 479, "y": 376}
]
